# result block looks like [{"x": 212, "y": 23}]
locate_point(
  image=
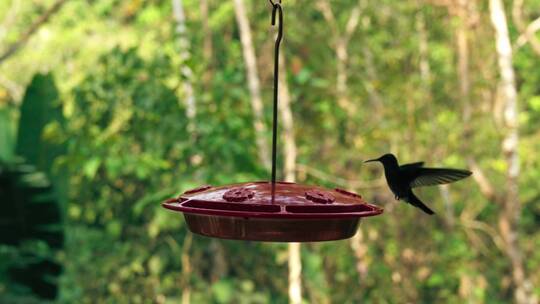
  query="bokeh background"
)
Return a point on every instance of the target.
[{"x": 107, "y": 107}]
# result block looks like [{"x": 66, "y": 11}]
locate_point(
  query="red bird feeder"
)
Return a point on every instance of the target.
[
  {"x": 273, "y": 211},
  {"x": 290, "y": 213}
]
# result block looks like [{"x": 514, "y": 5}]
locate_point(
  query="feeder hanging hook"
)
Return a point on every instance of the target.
[{"x": 276, "y": 9}]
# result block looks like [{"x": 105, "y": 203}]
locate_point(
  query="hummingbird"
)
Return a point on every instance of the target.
[{"x": 401, "y": 179}]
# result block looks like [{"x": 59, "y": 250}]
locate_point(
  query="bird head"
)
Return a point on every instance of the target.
[{"x": 386, "y": 159}]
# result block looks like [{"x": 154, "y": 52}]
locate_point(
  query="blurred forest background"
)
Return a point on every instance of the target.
[{"x": 107, "y": 107}]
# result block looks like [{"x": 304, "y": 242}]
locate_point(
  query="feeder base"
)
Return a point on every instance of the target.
[{"x": 272, "y": 230}]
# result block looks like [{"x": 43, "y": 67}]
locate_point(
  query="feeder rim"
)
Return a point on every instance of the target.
[{"x": 179, "y": 205}]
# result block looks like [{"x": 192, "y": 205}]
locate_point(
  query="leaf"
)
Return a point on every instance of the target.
[
  {"x": 223, "y": 291},
  {"x": 155, "y": 265},
  {"x": 91, "y": 167},
  {"x": 534, "y": 103},
  {"x": 40, "y": 107},
  {"x": 40, "y": 134},
  {"x": 7, "y": 144}
]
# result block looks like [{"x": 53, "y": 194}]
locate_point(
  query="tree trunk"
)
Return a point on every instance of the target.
[
  {"x": 462, "y": 45},
  {"x": 511, "y": 208},
  {"x": 463, "y": 64},
  {"x": 360, "y": 251},
  {"x": 185, "y": 70},
  {"x": 423, "y": 52},
  {"x": 184, "y": 54},
  {"x": 342, "y": 77},
  {"x": 287, "y": 123},
  {"x": 207, "y": 46},
  {"x": 295, "y": 274},
  {"x": 374, "y": 96},
  {"x": 444, "y": 190},
  {"x": 253, "y": 80},
  {"x": 370, "y": 66},
  {"x": 289, "y": 155},
  {"x": 186, "y": 268},
  {"x": 207, "y": 42}
]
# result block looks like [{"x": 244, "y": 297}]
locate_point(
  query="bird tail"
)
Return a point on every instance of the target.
[{"x": 415, "y": 201}]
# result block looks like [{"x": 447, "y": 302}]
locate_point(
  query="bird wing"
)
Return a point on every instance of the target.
[
  {"x": 436, "y": 176},
  {"x": 411, "y": 165}
]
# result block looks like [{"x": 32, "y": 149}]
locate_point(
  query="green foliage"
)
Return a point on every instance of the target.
[
  {"x": 128, "y": 134},
  {"x": 116, "y": 104},
  {"x": 31, "y": 231}
]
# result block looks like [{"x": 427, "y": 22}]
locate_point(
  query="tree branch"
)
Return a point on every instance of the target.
[
  {"x": 352, "y": 23},
  {"x": 532, "y": 28},
  {"x": 486, "y": 188},
  {"x": 481, "y": 226},
  {"x": 527, "y": 32},
  {"x": 338, "y": 181},
  {"x": 326, "y": 10},
  {"x": 9, "y": 19},
  {"x": 12, "y": 49},
  {"x": 341, "y": 42},
  {"x": 14, "y": 89}
]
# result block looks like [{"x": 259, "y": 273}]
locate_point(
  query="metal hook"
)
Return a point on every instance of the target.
[
  {"x": 276, "y": 9},
  {"x": 274, "y": 3}
]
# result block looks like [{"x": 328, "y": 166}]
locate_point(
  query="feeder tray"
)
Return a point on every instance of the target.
[{"x": 295, "y": 213}]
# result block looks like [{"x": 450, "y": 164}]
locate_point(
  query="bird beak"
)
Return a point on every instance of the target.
[{"x": 371, "y": 160}]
